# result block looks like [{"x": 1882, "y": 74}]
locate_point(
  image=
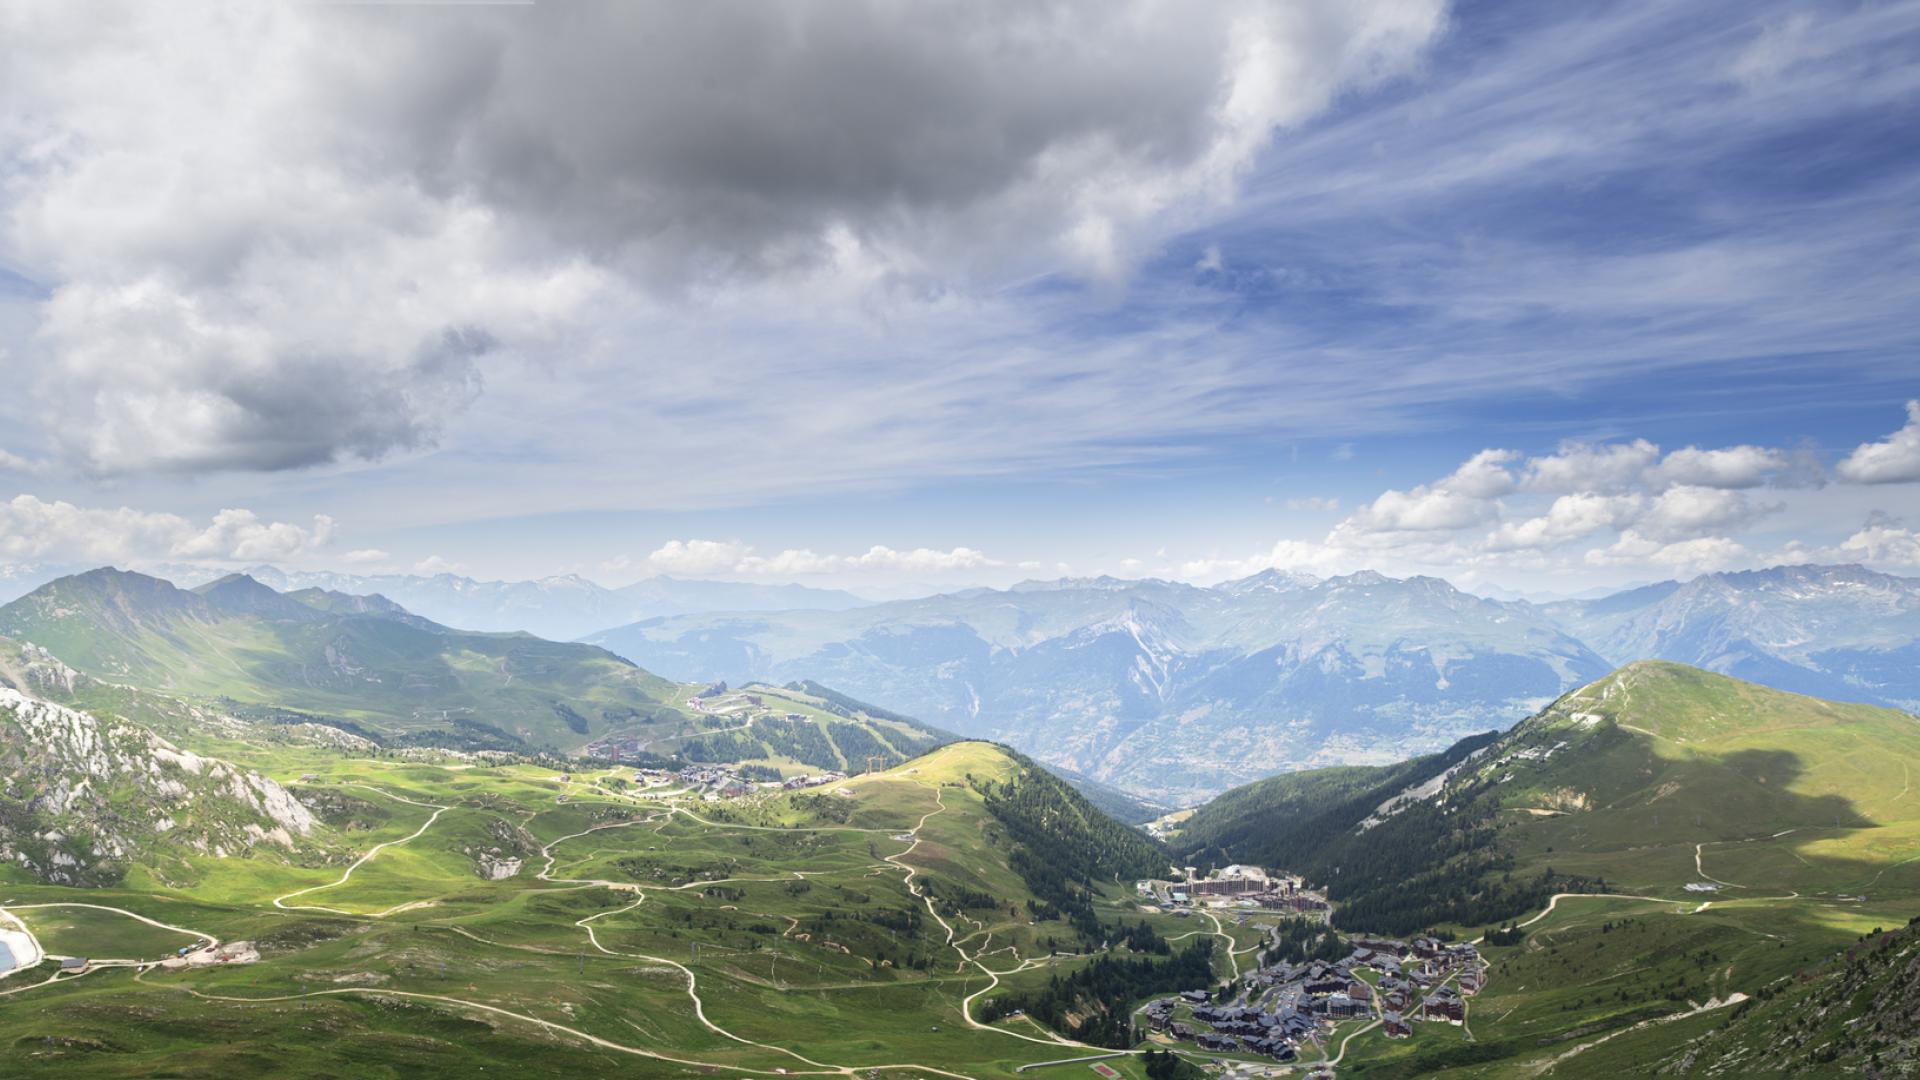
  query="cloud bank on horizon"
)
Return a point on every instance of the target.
[{"x": 414, "y": 283}]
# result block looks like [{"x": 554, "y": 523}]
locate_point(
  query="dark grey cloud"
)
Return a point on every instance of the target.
[
  {"x": 730, "y": 134},
  {"x": 259, "y": 228}
]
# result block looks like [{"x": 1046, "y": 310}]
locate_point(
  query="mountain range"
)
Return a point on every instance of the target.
[
  {"x": 1841, "y": 632},
  {"x": 176, "y": 750},
  {"x": 360, "y": 660},
  {"x": 561, "y": 608},
  {"x": 1167, "y": 691},
  {"x": 1177, "y": 692}
]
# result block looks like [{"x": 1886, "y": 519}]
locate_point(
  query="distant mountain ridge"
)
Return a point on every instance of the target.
[
  {"x": 1161, "y": 688},
  {"x": 1174, "y": 691},
  {"x": 1178, "y": 691},
  {"x": 1841, "y": 632},
  {"x": 560, "y": 608},
  {"x": 358, "y": 659}
]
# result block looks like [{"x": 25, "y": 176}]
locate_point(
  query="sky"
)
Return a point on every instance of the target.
[{"x": 893, "y": 298}]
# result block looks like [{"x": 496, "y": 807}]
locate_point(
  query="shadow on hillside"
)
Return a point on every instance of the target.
[{"x": 1742, "y": 808}]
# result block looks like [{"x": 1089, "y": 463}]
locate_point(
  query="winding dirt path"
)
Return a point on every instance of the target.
[
  {"x": 281, "y": 900},
  {"x": 94, "y": 964},
  {"x": 693, "y": 988},
  {"x": 561, "y": 1029},
  {"x": 993, "y": 977}
]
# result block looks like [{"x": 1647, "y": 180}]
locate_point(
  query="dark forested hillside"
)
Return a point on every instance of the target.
[
  {"x": 1423, "y": 864},
  {"x": 1062, "y": 846},
  {"x": 1315, "y": 807}
]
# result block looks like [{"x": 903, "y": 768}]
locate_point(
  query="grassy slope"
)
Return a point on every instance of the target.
[
  {"x": 1788, "y": 803},
  {"x": 1661, "y": 758},
  {"x": 848, "y": 733},
  {"x": 1784, "y": 793},
  {"x": 395, "y": 673},
  {"x": 809, "y": 937},
  {"x": 1859, "y": 1013},
  {"x": 385, "y": 671}
]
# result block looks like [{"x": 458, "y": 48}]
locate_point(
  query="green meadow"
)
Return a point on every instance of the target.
[{"x": 641, "y": 936}]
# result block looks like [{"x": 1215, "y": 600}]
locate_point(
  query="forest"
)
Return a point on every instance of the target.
[{"x": 1104, "y": 990}]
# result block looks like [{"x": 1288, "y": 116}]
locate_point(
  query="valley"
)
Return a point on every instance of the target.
[
  {"x": 754, "y": 539},
  {"x": 767, "y": 879},
  {"x": 665, "y": 929}
]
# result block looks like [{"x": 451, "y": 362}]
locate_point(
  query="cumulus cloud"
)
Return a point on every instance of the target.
[
  {"x": 1699, "y": 555},
  {"x": 1465, "y": 497},
  {"x": 34, "y": 528},
  {"x": 1687, "y": 511},
  {"x": 697, "y": 558},
  {"x": 1423, "y": 509},
  {"x": 1882, "y": 542},
  {"x": 1578, "y": 466},
  {"x": 328, "y": 265},
  {"x": 1585, "y": 504},
  {"x": 1893, "y": 460},
  {"x": 1571, "y": 517},
  {"x": 706, "y": 558},
  {"x": 240, "y": 534},
  {"x": 1732, "y": 467}
]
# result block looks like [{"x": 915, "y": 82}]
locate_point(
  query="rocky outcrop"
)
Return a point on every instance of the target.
[
  {"x": 81, "y": 796},
  {"x": 502, "y": 859}
]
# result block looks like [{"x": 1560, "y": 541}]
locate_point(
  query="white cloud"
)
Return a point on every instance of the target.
[
  {"x": 1421, "y": 510},
  {"x": 33, "y": 528},
  {"x": 705, "y": 558},
  {"x": 11, "y": 462},
  {"x": 1894, "y": 460},
  {"x": 366, "y": 556},
  {"x": 1463, "y": 498},
  {"x": 1587, "y": 467},
  {"x": 1482, "y": 476},
  {"x": 1571, "y": 517},
  {"x": 1687, "y": 511},
  {"x": 1314, "y": 504},
  {"x": 1882, "y": 542},
  {"x": 1303, "y": 556},
  {"x": 1732, "y": 467},
  {"x": 1612, "y": 504},
  {"x": 1700, "y": 555},
  {"x": 697, "y": 558},
  {"x": 241, "y": 535}
]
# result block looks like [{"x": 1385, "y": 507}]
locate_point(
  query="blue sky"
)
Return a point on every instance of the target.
[{"x": 1169, "y": 295}]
